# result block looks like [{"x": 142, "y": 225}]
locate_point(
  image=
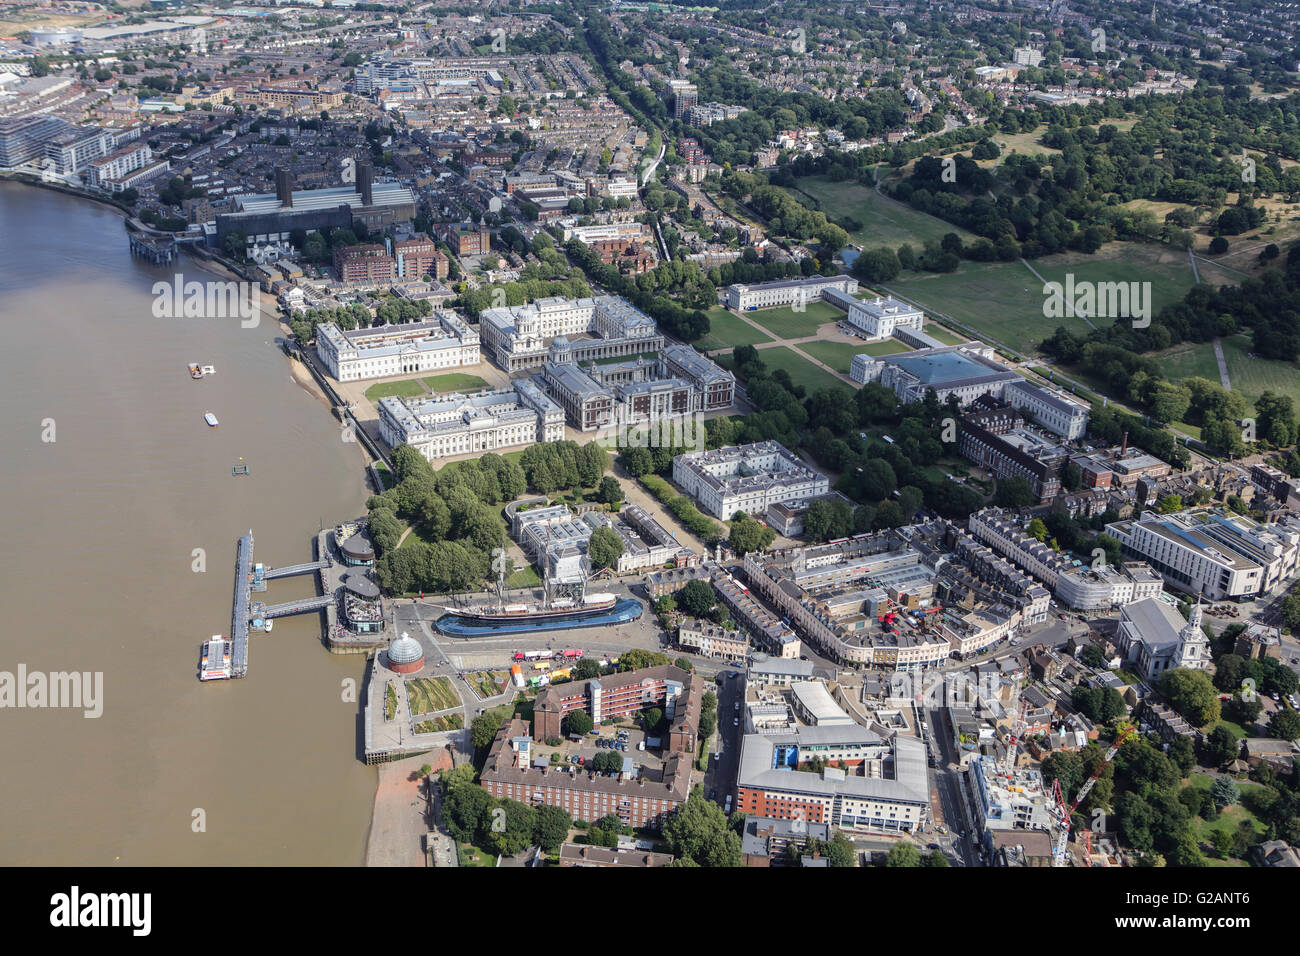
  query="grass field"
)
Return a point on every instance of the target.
[
  {"x": 1168, "y": 271},
  {"x": 1253, "y": 377},
  {"x": 937, "y": 331},
  {"x": 439, "y": 724},
  {"x": 839, "y": 355},
  {"x": 1004, "y": 301},
  {"x": 408, "y": 388},
  {"x": 524, "y": 578},
  {"x": 728, "y": 331},
  {"x": 414, "y": 387},
  {"x": 801, "y": 371},
  {"x": 884, "y": 222},
  {"x": 428, "y": 695},
  {"x": 1000, "y": 299},
  {"x": 454, "y": 382},
  {"x": 1250, "y": 377},
  {"x": 786, "y": 323}
]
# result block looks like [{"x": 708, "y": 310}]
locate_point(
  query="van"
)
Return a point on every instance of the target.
[{"x": 727, "y": 808}]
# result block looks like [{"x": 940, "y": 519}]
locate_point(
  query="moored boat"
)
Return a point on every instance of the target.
[{"x": 210, "y": 419}]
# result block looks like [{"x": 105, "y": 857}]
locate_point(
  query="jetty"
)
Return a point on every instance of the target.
[{"x": 249, "y": 578}]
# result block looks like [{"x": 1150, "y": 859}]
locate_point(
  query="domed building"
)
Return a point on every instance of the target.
[{"x": 405, "y": 655}]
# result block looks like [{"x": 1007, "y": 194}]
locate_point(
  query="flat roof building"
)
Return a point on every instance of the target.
[
  {"x": 457, "y": 424},
  {"x": 746, "y": 478}
]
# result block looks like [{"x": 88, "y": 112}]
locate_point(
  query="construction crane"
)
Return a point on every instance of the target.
[
  {"x": 1017, "y": 731},
  {"x": 1058, "y": 856}
]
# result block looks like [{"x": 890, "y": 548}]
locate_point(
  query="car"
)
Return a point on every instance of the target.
[
  {"x": 581, "y": 761},
  {"x": 735, "y": 721},
  {"x": 932, "y": 846}
]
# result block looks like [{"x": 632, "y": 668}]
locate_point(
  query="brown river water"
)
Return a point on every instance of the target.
[{"x": 97, "y": 567}]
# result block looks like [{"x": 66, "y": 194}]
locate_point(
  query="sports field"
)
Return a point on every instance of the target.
[
  {"x": 728, "y": 331},
  {"x": 882, "y": 221},
  {"x": 786, "y": 323},
  {"x": 839, "y": 355}
]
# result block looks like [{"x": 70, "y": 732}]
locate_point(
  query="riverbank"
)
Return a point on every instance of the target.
[{"x": 398, "y": 818}]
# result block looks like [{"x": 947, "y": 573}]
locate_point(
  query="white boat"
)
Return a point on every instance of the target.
[
  {"x": 209, "y": 370},
  {"x": 269, "y": 625},
  {"x": 210, "y": 419}
]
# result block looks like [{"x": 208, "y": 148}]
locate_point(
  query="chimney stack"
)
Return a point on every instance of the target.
[
  {"x": 284, "y": 187},
  {"x": 365, "y": 183},
  {"x": 1123, "y": 449}
]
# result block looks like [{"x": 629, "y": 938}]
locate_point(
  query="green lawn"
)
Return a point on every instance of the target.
[
  {"x": 839, "y": 355},
  {"x": 726, "y": 330},
  {"x": 454, "y": 382},
  {"x": 1188, "y": 360},
  {"x": 802, "y": 372},
  {"x": 468, "y": 855},
  {"x": 408, "y": 388},
  {"x": 440, "y": 724},
  {"x": 1000, "y": 299},
  {"x": 786, "y": 323},
  {"x": 937, "y": 331},
  {"x": 881, "y": 221},
  {"x": 524, "y": 578},
  {"x": 428, "y": 695},
  {"x": 1004, "y": 301},
  {"x": 1254, "y": 376},
  {"x": 1169, "y": 273}
]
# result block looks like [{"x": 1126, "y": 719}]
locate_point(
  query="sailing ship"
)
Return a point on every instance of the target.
[{"x": 551, "y": 606}]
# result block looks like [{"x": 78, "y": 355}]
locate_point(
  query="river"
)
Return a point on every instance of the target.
[{"x": 97, "y": 567}]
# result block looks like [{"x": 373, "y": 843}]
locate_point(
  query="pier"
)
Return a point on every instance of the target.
[
  {"x": 159, "y": 251},
  {"x": 250, "y": 578},
  {"x": 239, "y": 614}
]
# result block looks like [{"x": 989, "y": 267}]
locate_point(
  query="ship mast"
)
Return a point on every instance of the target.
[{"x": 501, "y": 576}]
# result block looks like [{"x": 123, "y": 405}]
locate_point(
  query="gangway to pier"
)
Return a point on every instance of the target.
[
  {"x": 301, "y": 606},
  {"x": 290, "y": 570}
]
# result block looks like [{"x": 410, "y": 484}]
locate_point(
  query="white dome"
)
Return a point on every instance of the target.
[{"x": 405, "y": 650}]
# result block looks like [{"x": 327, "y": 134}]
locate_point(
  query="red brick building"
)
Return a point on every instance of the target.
[
  {"x": 419, "y": 257},
  {"x": 676, "y": 691},
  {"x": 639, "y": 800},
  {"x": 368, "y": 263}
]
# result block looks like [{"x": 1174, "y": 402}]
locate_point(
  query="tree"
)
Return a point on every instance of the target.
[
  {"x": 1183, "y": 753},
  {"x": 586, "y": 669},
  {"x": 749, "y": 535},
  {"x": 936, "y": 858},
  {"x": 1039, "y": 531},
  {"x": 1191, "y": 694},
  {"x": 604, "y": 548},
  {"x": 551, "y": 827},
  {"x": 1014, "y": 493},
  {"x": 903, "y": 853},
  {"x": 697, "y": 598},
  {"x": 698, "y": 831},
  {"x": 610, "y": 491},
  {"x": 1285, "y": 725},
  {"x": 1224, "y": 792},
  {"x": 840, "y": 851},
  {"x": 579, "y": 721},
  {"x": 483, "y": 730},
  {"x": 1221, "y": 746}
]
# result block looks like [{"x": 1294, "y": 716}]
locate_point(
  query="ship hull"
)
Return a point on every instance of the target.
[{"x": 495, "y": 617}]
